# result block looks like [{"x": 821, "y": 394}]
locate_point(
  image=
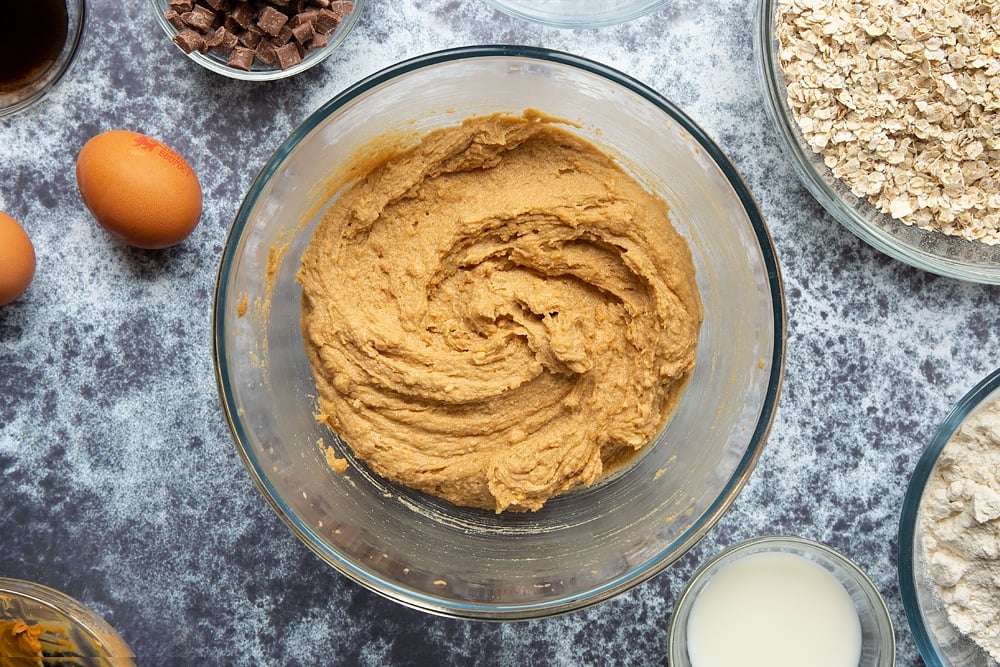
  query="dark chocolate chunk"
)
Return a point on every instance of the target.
[
  {"x": 288, "y": 55},
  {"x": 306, "y": 16},
  {"x": 319, "y": 41},
  {"x": 326, "y": 21},
  {"x": 221, "y": 39},
  {"x": 251, "y": 37},
  {"x": 242, "y": 58},
  {"x": 189, "y": 40},
  {"x": 303, "y": 33},
  {"x": 342, "y": 8},
  {"x": 174, "y": 19},
  {"x": 271, "y": 20},
  {"x": 266, "y": 53},
  {"x": 200, "y": 18},
  {"x": 181, "y": 6},
  {"x": 283, "y": 37},
  {"x": 243, "y": 15}
]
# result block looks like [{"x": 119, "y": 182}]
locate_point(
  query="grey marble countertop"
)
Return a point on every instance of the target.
[{"x": 119, "y": 483}]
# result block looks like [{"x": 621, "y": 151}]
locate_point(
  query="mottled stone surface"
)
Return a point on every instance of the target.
[{"x": 119, "y": 483}]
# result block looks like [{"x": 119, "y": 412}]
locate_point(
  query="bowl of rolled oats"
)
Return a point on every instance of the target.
[
  {"x": 257, "y": 40},
  {"x": 890, "y": 113}
]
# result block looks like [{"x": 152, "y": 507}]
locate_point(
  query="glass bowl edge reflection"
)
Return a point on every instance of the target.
[
  {"x": 101, "y": 636},
  {"x": 560, "y": 18}
]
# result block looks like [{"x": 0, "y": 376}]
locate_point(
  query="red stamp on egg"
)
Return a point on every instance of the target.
[{"x": 146, "y": 143}]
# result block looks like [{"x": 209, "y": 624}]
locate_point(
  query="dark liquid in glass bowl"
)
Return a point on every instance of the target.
[{"x": 32, "y": 34}]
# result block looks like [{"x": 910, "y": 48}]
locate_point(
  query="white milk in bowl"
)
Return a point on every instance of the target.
[{"x": 773, "y": 609}]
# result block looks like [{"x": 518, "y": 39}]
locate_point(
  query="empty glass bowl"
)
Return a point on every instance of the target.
[
  {"x": 585, "y": 545},
  {"x": 577, "y": 13},
  {"x": 931, "y": 251},
  {"x": 940, "y": 644}
]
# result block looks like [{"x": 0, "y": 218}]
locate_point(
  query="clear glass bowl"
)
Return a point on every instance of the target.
[
  {"x": 586, "y": 545},
  {"x": 938, "y": 253},
  {"x": 218, "y": 63},
  {"x": 878, "y": 642},
  {"x": 32, "y": 93},
  {"x": 940, "y": 644},
  {"x": 577, "y": 13},
  {"x": 71, "y": 631}
]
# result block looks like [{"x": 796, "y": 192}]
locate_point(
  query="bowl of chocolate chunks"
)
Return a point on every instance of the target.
[{"x": 257, "y": 40}]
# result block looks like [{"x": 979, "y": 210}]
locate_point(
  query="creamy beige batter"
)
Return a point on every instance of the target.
[
  {"x": 498, "y": 314},
  {"x": 19, "y": 645}
]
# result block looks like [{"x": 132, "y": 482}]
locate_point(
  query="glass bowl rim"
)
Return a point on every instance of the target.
[
  {"x": 772, "y": 83},
  {"x": 477, "y": 610},
  {"x": 75, "y": 611},
  {"x": 309, "y": 61},
  {"x": 687, "y": 597},
  {"x": 907, "y": 534},
  {"x": 636, "y": 9},
  {"x": 74, "y": 36}
]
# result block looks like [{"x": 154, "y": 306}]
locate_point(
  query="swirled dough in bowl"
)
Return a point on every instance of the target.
[{"x": 498, "y": 314}]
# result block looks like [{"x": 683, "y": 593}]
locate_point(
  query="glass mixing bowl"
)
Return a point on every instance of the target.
[
  {"x": 940, "y": 644},
  {"x": 577, "y": 13},
  {"x": 878, "y": 643},
  {"x": 585, "y": 545},
  {"x": 938, "y": 253},
  {"x": 71, "y": 634},
  {"x": 217, "y": 62}
]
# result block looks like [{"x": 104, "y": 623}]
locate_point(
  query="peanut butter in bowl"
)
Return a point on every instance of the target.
[{"x": 498, "y": 314}]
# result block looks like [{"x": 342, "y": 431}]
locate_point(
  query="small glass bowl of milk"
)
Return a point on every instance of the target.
[{"x": 781, "y": 602}]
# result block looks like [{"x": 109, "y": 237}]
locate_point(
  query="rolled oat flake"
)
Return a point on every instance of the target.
[{"x": 902, "y": 100}]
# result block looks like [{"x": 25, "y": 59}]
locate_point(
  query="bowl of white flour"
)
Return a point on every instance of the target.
[{"x": 949, "y": 536}]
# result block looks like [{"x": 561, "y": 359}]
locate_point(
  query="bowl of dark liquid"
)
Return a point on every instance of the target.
[{"x": 38, "y": 40}]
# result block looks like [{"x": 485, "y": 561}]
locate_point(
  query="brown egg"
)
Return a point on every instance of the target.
[
  {"x": 138, "y": 189},
  {"x": 17, "y": 259}
]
